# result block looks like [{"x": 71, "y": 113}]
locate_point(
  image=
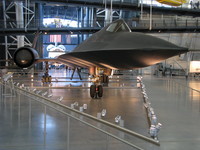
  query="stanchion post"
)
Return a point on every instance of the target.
[
  {"x": 192, "y": 93},
  {"x": 30, "y": 113},
  {"x": 19, "y": 110},
  {"x": 45, "y": 125},
  {"x": 199, "y": 102},
  {"x": 68, "y": 132}
]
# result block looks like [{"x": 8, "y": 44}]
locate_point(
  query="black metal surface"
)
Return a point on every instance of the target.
[
  {"x": 121, "y": 49},
  {"x": 125, "y": 59},
  {"x": 91, "y": 30},
  {"x": 23, "y": 31},
  {"x": 25, "y": 57},
  {"x": 113, "y": 47}
]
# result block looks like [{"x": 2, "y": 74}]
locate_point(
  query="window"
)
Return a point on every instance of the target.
[{"x": 118, "y": 26}]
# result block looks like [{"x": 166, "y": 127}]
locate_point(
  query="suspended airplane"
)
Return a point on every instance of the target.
[
  {"x": 172, "y": 2},
  {"x": 113, "y": 47}
]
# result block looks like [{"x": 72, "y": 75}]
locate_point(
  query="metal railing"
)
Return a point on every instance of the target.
[
  {"x": 105, "y": 128},
  {"x": 166, "y": 23},
  {"x": 154, "y": 125},
  {"x": 134, "y": 24}
]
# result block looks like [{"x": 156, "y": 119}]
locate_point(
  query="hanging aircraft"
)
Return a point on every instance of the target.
[
  {"x": 172, "y": 2},
  {"x": 113, "y": 47}
]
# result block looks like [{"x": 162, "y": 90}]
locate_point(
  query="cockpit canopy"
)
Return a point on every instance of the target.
[{"x": 118, "y": 26}]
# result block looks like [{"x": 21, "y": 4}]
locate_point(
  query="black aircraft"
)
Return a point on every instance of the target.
[{"x": 113, "y": 47}]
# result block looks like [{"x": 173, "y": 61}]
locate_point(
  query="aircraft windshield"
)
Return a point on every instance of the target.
[{"x": 118, "y": 26}]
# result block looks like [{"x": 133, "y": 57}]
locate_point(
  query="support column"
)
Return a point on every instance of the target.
[
  {"x": 111, "y": 11},
  {"x": 86, "y": 21},
  {"x": 78, "y": 17},
  {"x": 94, "y": 17},
  {"x": 6, "y": 49},
  {"x": 188, "y": 64},
  {"x": 86, "y": 17},
  {"x": 78, "y": 39},
  {"x": 150, "y": 17},
  {"x": 141, "y": 11},
  {"x": 5, "y": 26},
  {"x": 120, "y": 14},
  {"x": 20, "y": 21},
  {"x": 90, "y": 17},
  {"x": 82, "y": 17},
  {"x": 39, "y": 15},
  {"x": 108, "y": 14},
  {"x": 39, "y": 23},
  {"x": 93, "y": 71}
]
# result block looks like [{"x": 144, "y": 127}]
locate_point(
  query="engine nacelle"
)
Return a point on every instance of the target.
[{"x": 25, "y": 57}]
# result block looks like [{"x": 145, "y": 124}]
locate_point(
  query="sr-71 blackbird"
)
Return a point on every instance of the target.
[{"x": 113, "y": 47}]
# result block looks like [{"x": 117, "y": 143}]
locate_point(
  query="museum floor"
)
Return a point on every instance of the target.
[{"x": 29, "y": 122}]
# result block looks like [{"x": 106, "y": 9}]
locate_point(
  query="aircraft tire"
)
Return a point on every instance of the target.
[
  {"x": 105, "y": 79},
  {"x": 92, "y": 91},
  {"x": 43, "y": 79},
  {"x": 50, "y": 79},
  {"x": 100, "y": 90}
]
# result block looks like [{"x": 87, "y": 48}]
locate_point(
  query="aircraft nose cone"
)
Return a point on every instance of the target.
[{"x": 140, "y": 41}]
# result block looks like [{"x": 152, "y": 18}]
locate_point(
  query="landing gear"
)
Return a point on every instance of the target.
[
  {"x": 100, "y": 90},
  {"x": 96, "y": 91},
  {"x": 46, "y": 78},
  {"x": 93, "y": 91},
  {"x": 104, "y": 79},
  {"x": 78, "y": 71}
]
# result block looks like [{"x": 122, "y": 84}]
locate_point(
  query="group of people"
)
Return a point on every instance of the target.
[
  {"x": 194, "y": 5},
  {"x": 161, "y": 70}
]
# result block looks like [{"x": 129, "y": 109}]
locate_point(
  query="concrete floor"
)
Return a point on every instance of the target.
[
  {"x": 121, "y": 97},
  {"x": 177, "y": 108}
]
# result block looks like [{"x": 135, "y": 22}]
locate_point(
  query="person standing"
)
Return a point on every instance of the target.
[
  {"x": 197, "y": 4},
  {"x": 191, "y": 4}
]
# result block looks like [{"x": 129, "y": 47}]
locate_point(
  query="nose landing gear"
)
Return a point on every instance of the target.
[
  {"x": 96, "y": 91},
  {"x": 46, "y": 78}
]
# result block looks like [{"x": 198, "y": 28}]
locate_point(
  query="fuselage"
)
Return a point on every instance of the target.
[{"x": 123, "y": 49}]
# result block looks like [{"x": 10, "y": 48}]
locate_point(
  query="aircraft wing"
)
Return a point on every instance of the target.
[
  {"x": 116, "y": 47},
  {"x": 113, "y": 47}
]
